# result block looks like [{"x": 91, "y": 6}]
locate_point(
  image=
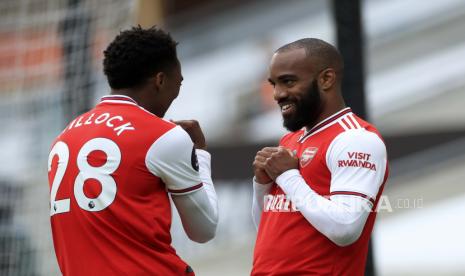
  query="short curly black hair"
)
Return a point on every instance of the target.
[{"x": 137, "y": 54}]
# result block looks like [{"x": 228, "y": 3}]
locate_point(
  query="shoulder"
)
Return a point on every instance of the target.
[
  {"x": 366, "y": 126},
  {"x": 358, "y": 139},
  {"x": 172, "y": 147},
  {"x": 291, "y": 136},
  {"x": 175, "y": 138},
  {"x": 357, "y": 144},
  {"x": 154, "y": 121},
  {"x": 172, "y": 157}
]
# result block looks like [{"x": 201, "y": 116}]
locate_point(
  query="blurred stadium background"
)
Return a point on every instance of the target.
[{"x": 50, "y": 71}]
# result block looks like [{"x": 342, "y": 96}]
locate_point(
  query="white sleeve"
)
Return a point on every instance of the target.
[
  {"x": 204, "y": 160},
  {"x": 172, "y": 158},
  {"x": 259, "y": 192},
  {"x": 340, "y": 218},
  {"x": 357, "y": 161},
  {"x": 199, "y": 210},
  {"x": 187, "y": 175}
]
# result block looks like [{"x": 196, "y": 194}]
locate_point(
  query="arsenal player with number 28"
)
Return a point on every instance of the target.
[
  {"x": 315, "y": 195},
  {"x": 112, "y": 169}
]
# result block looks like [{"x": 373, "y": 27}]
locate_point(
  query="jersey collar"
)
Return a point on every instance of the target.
[
  {"x": 122, "y": 99},
  {"x": 325, "y": 123}
]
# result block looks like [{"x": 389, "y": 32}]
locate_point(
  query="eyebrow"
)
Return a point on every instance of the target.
[
  {"x": 287, "y": 76},
  {"x": 284, "y": 77}
]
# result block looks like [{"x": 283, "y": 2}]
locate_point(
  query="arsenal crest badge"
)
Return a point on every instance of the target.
[{"x": 307, "y": 156}]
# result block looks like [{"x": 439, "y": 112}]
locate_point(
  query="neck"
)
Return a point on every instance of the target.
[
  {"x": 142, "y": 97},
  {"x": 332, "y": 107},
  {"x": 136, "y": 95}
]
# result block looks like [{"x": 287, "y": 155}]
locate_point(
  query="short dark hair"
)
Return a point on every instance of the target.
[
  {"x": 136, "y": 54},
  {"x": 326, "y": 54}
]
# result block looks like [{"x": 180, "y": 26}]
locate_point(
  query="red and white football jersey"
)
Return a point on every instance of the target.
[
  {"x": 342, "y": 155},
  {"x": 109, "y": 173}
]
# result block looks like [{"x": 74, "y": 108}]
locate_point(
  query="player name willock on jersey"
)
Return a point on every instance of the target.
[{"x": 116, "y": 122}]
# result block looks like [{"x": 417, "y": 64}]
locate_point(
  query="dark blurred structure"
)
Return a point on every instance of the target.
[
  {"x": 184, "y": 12},
  {"x": 79, "y": 79},
  {"x": 16, "y": 252},
  {"x": 350, "y": 41}
]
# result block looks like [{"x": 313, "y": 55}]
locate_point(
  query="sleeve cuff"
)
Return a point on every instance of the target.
[
  {"x": 256, "y": 183},
  {"x": 261, "y": 188},
  {"x": 186, "y": 190}
]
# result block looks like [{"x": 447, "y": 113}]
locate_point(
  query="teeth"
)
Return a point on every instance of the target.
[{"x": 286, "y": 107}]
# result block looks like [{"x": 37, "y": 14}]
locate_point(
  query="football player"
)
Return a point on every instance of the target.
[
  {"x": 113, "y": 169},
  {"x": 314, "y": 195}
]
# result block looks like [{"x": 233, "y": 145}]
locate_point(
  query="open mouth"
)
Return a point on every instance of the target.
[{"x": 287, "y": 109}]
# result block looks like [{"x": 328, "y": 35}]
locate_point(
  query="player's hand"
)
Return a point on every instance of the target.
[
  {"x": 192, "y": 127},
  {"x": 261, "y": 177},
  {"x": 280, "y": 161}
]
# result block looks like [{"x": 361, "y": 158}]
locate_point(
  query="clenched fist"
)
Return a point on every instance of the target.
[
  {"x": 192, "y": 127},
  {"x": 279, "y": 161},
  {"x": 259, "y": 164}
]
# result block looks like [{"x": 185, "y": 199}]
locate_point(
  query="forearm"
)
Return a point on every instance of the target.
[
  {"x": 199, "y": 210},
  {"x": 204, "y": 159},
  {"x": 197, "y": 215},
  {"x": 259, "y": 192},
  {"x": 341, "y": 218}
]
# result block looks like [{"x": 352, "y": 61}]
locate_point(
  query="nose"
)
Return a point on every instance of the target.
[{"x": 279, "y": 93}]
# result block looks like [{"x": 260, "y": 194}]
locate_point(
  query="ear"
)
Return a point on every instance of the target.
[
  {"x": 327, "y": 78},
  {"x": 159, "y": 80}
]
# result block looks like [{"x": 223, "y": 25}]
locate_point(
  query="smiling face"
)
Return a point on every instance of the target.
[{"x": 296, "y": 88}]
